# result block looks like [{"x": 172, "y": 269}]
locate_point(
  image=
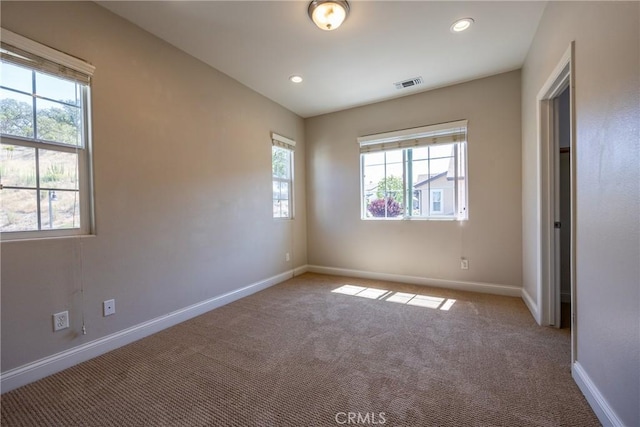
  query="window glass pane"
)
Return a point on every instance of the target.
[
  {"x": 421, "y": 201},
  {"x": 374, "y": 159},
  {"x": 284, "y": 191},
  {"x": 420, "y": 153},
  {"x": 393, "y": 184},
  {"x": 417, "y": 203},
  {"x": 52, "y": 87},
  {"x": 276, "y": 209},
  {"x": 18, "y": 210},
  {"x": 17, "y": 166},
  {"x": 383, "y": 184},
  {"x": 394, "y": 156},
  {"x": 384, "y": 208},
  {"x": 58, "y": 122},
  {"x": 284, "y": 209},
  {"x": 287, "y": 164},
  {"x": 281, "y": 162},
  {"x": 372, "y": 176},
  {"x": 420, "y": 172},
  {"x": 58, "y": 169},
  {"x": 276, "y": 189},
  {"x": 16, "y": 114},
  {"x": 16, "y": 77},
  {"x": 438, "y": 166},
  {"x": 59, "y": 209},
  {"x": 436, "y": 151},
  {"x": 434, "y": 186}
]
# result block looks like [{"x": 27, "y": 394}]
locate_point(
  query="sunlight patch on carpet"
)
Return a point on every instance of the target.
[{"x": 427, "y": 301}]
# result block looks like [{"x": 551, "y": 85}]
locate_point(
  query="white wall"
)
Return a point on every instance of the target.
[
  {"x": 607, "y": 105},
  {"x": 182, "y": 159},
  {"x": 490, "y": 239}
]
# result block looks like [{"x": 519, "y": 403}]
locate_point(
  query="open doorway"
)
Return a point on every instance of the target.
[
  {"x": 556, "y": 287},
  {"x": 563, "y": 114}
]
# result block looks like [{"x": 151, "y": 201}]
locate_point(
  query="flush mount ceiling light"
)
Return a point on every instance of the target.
[
  {"x": 461, "y": 25},
  {"x": 328, "y": 14},
  {"x": 295, "y": 78}
]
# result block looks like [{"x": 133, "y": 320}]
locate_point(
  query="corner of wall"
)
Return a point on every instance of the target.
[{"x": 532, "y": 306}]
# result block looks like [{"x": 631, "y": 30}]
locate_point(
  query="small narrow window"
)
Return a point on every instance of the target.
[
  {"x": 436, "y": 202},
  {"x": 44, "y": 149},
  {"x": 282, "y": 176},
  {"x": 415, "y": 173}
]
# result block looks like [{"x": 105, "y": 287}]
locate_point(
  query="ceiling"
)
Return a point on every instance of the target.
[{"x": 262, "y": 43}]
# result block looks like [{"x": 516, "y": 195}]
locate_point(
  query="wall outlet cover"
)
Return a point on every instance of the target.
[
  {"x": 109, "y": 307},
  {"x": 60, "y": 321}
]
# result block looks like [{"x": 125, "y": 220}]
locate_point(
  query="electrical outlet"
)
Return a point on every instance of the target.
[
  {"x": 109, "y": 307},
  {"x": 60, "y": 321},
  {"x": 464, "y": 263},
  {"x": 287, "y": 257}
]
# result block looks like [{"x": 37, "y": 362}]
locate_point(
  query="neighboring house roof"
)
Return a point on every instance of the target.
[
  {"x": 370, "y": 187},
  {"x": 423, "y": 179},
  {"x": 451, "y": 172}
]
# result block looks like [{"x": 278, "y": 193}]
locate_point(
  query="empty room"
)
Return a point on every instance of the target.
[{"x": 328, "y": 212}]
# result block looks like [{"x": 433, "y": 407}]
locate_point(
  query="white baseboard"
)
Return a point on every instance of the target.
[
  {"x": 49, "y": 365},
  {"x": 300, "y": 270},
  {"x": 488, "y": 288},
  {"x": 532, "y": 306},
  {"x": 598, "y": 403}
]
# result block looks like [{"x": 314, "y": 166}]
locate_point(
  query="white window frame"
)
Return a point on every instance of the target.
[
  {"x": 47, "y": 60},
  {"x": 287, "y": 144},
  {"x": 406, "y": 139}
]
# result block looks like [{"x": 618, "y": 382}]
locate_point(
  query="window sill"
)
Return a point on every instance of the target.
[
  {"x": 5, "y": 239},
  {"x": 414, "y": 219}
]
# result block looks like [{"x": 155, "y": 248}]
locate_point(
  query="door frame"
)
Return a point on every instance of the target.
[{"x": 548, "y": 292}]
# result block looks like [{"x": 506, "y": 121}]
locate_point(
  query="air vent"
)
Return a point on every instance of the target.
[{"x": 409, "y": 83}]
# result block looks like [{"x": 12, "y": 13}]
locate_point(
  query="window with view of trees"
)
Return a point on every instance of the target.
[
  {"x": 415, "y": 173},
  {"x": 282, "y": 176},
  {"x": 44, "y": 159}
]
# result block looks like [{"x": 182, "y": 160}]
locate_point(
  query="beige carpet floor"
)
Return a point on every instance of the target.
[{"x": 312, "y": 350}]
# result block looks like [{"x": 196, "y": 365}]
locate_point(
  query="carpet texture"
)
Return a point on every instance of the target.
[{"x": 325, "y": 351}]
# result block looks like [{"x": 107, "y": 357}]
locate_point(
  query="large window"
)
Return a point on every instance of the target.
[
  {"x": 44, "y": 147},
  {"x": 415, "y": 173},
  {"x": 282, "y": 176}
]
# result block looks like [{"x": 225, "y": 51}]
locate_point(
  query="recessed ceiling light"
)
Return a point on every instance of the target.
[
  {"x": 461, "y": 25},
  {"x": 295, "y": 79}
]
